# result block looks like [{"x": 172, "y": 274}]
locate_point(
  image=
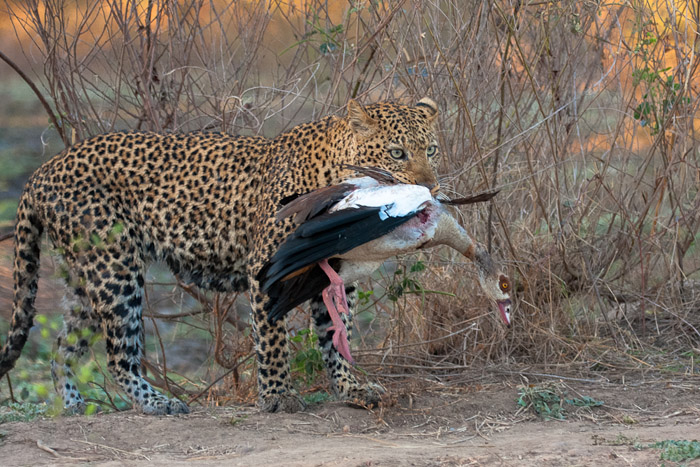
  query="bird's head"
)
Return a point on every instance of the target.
[{"x": 494, "y": 283}]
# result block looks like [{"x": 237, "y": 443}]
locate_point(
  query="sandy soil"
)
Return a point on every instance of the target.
[{"x": 477, "y": 424}]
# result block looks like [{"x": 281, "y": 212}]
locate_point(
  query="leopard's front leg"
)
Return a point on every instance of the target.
[
  {"x": 343, "y": 382},
  {"x": 275, "y": 391}
]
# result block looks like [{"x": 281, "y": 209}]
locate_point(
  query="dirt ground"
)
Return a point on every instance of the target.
[{"x": 476, "y": 424}]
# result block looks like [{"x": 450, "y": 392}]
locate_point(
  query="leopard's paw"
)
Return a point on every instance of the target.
[
  {"x": 163, "y": 406},
  {"x": 289, "y": 402},
  {"x": 365, "y": 396}
]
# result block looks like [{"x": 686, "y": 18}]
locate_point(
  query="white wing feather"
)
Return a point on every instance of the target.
[{"x": 395, "y": 200}]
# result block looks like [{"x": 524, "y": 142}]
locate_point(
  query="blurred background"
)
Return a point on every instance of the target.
[{"x": 583, "y": 114}]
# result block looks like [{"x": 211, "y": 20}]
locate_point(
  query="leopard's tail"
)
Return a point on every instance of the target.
[{"x": 28, "y": 230}]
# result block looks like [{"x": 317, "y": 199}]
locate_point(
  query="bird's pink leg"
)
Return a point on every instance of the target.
[{"x": 336, "y": 302}]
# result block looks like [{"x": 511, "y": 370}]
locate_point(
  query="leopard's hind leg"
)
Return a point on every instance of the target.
[
  {"x": 113, "y": 274},
  {"x": 80, "y": 327},
  {"x": 343, "y": 382}
]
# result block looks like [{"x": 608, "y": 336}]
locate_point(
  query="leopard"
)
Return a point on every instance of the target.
[{"x": 204, "y": 204}]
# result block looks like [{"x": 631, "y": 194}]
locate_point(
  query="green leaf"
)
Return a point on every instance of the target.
[
  {"x": 418, "y": 266},
  {"x": 678, "y": 450}
]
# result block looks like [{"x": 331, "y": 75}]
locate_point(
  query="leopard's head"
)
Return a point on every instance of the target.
[{"x": 398, "y": 138}]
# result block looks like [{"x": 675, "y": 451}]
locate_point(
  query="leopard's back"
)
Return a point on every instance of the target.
[{"x": 185, "y": 199}]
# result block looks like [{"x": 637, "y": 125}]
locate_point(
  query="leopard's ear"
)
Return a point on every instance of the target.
[
  {"x": 360, "y": 122},
  {"x": 429, "y": 108}
]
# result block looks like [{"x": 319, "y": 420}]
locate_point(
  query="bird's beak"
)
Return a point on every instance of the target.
[{"x": 504, "y": 308}]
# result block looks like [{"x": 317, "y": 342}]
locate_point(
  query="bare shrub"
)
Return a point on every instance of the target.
[{"x": 582, "y": 113}]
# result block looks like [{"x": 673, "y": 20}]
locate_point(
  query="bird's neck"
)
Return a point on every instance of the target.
[
  {"x": 450, "y": 233},
  {"x": 462, "y": 242}
]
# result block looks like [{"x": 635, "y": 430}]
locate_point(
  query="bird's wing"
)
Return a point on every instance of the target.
[
  {"x": 322, "y": 237},
  {"x": 332, "y": 220},
  {"x": 313, "y": 203},
  {"x": 360, "y": 217},
  {"x": 305, "y": 206}
]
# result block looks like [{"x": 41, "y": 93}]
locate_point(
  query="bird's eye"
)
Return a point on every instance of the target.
[
  {"x": 398, "y": 153},
  {"x": 431, "y": 151},
  {"x": 505, "y": 284}
]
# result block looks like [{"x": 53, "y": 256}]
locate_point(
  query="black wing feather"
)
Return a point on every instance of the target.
[
  {"x": 480, "y": 198},
  {"x": 285, "y": 295},
  {"x": 317, "y": 239},
  {"x": 325, "y": 236}
]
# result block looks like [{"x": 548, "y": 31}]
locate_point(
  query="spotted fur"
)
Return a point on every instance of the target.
[{"x": 204, "y": 204}]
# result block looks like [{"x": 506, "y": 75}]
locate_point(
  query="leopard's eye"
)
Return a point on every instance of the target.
[
  {"x": 432, "y": 150},
  {"x": 397, "y": 153}
]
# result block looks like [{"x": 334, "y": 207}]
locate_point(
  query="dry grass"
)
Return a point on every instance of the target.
[{"x": 582, "y": 113}]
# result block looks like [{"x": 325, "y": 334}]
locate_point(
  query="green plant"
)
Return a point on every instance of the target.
[
  {"x": 676, "y": 450},
  {"x": 366, "y": 310},
  {"x": 363, "y": 297},
  {"x": 236, "y": 420},
  {"x": 8, "y": 208},
  {"x": 545, "y": 400},
  {"x": 22, "y": 412},
  {"x": 317, "y": 397},
  {"x": 405, "y": 282},
  {"x": 31, "y": 379},
  {"x": 585, "y": 401},
  {"x": 549, "y": 400},
  {"x": 307, "y": 361},
  {"x": 662, "y": 91},
  {"x": 328, "y": 37}
]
